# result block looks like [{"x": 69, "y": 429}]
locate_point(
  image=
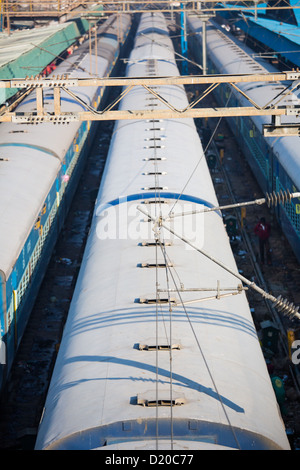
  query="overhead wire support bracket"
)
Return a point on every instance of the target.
[
  {"x": 271, "y": 199},
  {"x": 50, "y": 82},
  {"x": 53, "y": 8},
  {"x": 288, "y": 308},
  {"x": 220, "y": 292},
  {"x": 63, "y": 83}
]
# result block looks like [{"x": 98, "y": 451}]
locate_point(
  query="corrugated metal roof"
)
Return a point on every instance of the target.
[
  {"x": 23, "y": 41},
  {"x": 275, "y": 32},
  {"x": 28, "y": 52},
  {"x": 295, "y": 3},
  {"x": 280, "y": 37},
  {"x": 284, "y": 30}
]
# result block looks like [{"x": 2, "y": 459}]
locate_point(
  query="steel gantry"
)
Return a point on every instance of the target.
[
  {"x": 167, "y": 111},
  {"x": 58, "y": 8}
]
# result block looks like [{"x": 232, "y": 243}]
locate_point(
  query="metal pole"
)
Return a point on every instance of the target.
[
  {"x": 183, "y": 39},
  {"x": 90, "y": 47},
  {"x": 7, "y": 19},
  {"x": 204, "y": 67}
]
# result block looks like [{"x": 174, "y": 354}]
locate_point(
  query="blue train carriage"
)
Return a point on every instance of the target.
[
  {"x": 40, "y": 168},
  {"x": 274, "y": 161},
  {"x": 137, "y": 367}
]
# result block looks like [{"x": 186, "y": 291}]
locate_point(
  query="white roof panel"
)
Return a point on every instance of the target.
[{"x": 25, "y": 180}]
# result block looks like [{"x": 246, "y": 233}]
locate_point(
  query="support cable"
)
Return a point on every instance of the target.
[
  {"x": 163, "y": 248},
  {"x": 202, "y": 354},
  {"x": 271, "y": 199},
  {"x": 287, "y": 308}
]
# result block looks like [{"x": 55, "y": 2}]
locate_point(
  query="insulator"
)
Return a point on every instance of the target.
[
  {"x": 288, "y": 308},
  {"x": 278, "y": 198}
]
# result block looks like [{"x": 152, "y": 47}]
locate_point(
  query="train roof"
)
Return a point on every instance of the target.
[
  {"x": 31, "y": 157},
  {"x": 26, "y": 178},
  {"x": 107, "y": 373},
  {"x": 233, "y": 57},
  {"x": 104, "y": 375},
  {"x": 27, "y": 52}
]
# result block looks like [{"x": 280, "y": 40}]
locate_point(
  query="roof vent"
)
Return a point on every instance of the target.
[
  {"x": 155, "y": 265},
  {"x": 155, "y": 243},
  {"x": 155, "y": 188},
  {"x": 155, "y": 201},
  {"x": 153, "y": 300},
  {"x": 154, "y": 159},
  {"x": 153, "y": 173},
  {"x": 160, "y": 347},
  {"x": 149, "y": 399}
]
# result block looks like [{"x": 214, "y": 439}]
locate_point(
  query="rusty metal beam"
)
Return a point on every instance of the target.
[
  {"x": 166, "y": 111},
  {"x": 38, "y": 9},
  {"x": 141, "y": 81},
  {"x": 140, "y": 114}
]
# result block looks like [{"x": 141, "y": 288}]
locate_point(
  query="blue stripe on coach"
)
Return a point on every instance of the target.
[{"x": 149, "y": 195}]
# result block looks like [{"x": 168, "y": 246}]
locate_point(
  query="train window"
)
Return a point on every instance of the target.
[
  {"x": 155, "y": 147},
  {"x": 18, "y": 132},
  {"x": 44, "y": 209},
  {"x": 37, "y": 223}
]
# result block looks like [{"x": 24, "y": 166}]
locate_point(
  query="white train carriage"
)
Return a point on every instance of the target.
[
  {"x": 146, "y": 362},
  {"x": 274, "y": 160},
  {"x": 39, "y": 170}
]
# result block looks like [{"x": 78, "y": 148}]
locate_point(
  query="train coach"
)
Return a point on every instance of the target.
[
  {"x": 274, "y": 160},
  {"x": 40, "y": 167},
  {"x": 159, "y": 350}
]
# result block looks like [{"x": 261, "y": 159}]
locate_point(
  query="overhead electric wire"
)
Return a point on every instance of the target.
[
  {"x": 202, "y": 354},
  {"x": 158, "y": 210},
  {"x": 163, "y": 249},
  {"x": 203, "y": 154},
  {"x": 288, "y": 308}
]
